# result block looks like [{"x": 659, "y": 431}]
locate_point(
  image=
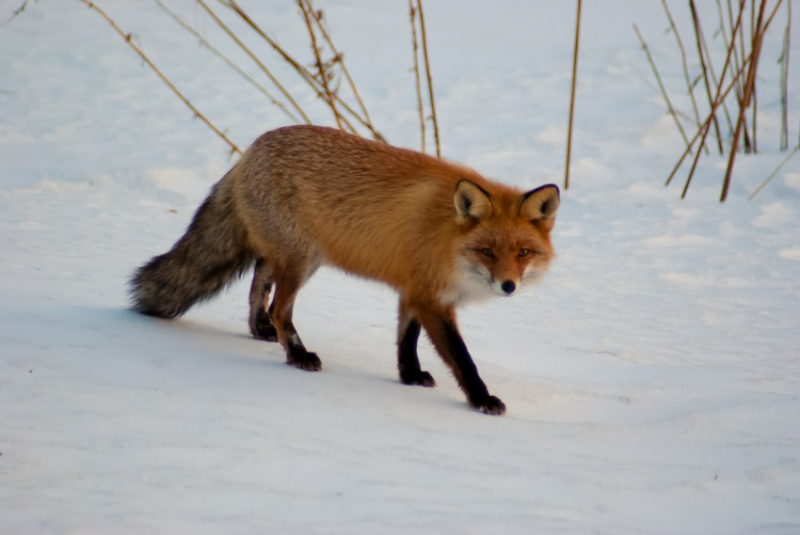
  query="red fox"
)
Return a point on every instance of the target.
[{"x": 301, "y": 197}]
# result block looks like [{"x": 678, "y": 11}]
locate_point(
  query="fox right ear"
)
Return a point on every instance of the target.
[{"x": 471, "y": 201}]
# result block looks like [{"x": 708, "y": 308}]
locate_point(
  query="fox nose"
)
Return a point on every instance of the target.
[{"x": 508, "y": 287}]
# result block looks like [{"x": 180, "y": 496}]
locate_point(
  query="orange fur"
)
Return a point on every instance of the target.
[{"x": 437, "y": 232}]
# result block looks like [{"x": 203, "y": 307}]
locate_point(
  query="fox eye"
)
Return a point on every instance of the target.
[
  {"x": 524, "y": 252},
  {"x": 487, "y": 252}
]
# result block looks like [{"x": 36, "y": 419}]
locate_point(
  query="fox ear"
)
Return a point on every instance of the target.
[
  {"x": 541, "y": 204},
  {"x": 472, "y": 202}
]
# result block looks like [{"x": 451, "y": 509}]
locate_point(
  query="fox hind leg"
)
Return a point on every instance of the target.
[
  {"x": 280, "y": 313},
  {"x": 260, "y": 325},
  {"x": 407, "y": 359}
]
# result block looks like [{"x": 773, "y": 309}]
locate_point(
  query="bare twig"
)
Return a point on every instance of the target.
[
  {"x": 127, "y": 38},
  {"x": 323, "y": 73},
  {"x": 413, "y": 14},
  {"x": 785, "y": 80},
  {"x": 748, "y": 92},
  {"x": 227, "y": 60},
  {"x": 572, "y": 94},
  {"x": 15, "y": 13},
  {"x": 712, "y": 72},
  {"x": 736, "y": 55},
  {"x": 775, "y": 172},
  {"x": 716, "y": 101},
  {"x": 739, "y": 73},
  {"x": 430, "y": 80},
  {"x": 670, "y": 107},
  {"x": 340, "y": 60},
  {"x": 302, "y": 71},
  {"x": 707, "y": 122},
  {"x": 257, "y": 61},
  {"x": 689, "y": 87},
  {"x": 698, "y": 32}
]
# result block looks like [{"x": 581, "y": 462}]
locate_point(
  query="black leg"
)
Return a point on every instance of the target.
[
  {"x": 407, "y": 359},
  {"x": 296, "y": 353},
  {"x": 260, "y": 325},
  {"x": 444, "y": 334}
]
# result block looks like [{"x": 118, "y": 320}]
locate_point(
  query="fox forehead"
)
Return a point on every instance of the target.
[{"x": 506, "y": 229}]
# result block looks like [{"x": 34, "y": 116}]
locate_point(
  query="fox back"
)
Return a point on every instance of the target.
[{"x": 429, "y": 228}]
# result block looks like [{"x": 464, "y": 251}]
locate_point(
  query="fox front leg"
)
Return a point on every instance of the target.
[
  {"x": 407, "y": 359},
  {"x": 442, "y": 329}
]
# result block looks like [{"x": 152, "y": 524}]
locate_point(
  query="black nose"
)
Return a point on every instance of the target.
[{"x": 508, "y": 287}]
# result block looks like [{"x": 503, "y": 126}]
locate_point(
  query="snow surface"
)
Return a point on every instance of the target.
[{"x": 652, "y": 380}]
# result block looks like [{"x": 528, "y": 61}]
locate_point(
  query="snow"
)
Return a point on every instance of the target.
[{"x": 652, "y": 380}]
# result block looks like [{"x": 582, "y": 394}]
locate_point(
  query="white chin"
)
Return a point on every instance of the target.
[{"x": 470, "y": 288}]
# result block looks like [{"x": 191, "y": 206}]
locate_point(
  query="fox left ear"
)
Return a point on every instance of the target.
[{"x": 541, "y": 204}]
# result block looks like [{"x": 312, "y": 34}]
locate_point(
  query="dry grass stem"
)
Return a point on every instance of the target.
[
  {"x": 322, "y": 71},
  {"x": 430, "y": 79},
  {"x": 183, "y": 24},
  {"x": 670, "y": 107},
  {"x": 127, "y": 38},
  {"x": 689, "y": 87},
  {"x": 255, "y": 59},
  {"x": 572, "y": 94},
  {"x": 775, "y": 172},
  {"x": 748, "y": 94},
  {"x": 707, "y": 122},
  {"x": 301, "y": 70},
  {"x": 15, "y": 13},
  {"x": 339, "y": 58},
  {"x": 712, "y": 72},
  {"x": 698, "y": 32},
  {"x": 716, "y": 101},
  {"x": 413, "y": 14},
  {"x": 785, "y": 79}
]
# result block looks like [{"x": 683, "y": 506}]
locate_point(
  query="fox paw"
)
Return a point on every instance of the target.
[
  {"x": 419, "y": 378},
  {"x": 262, "y": 329},
  {"x": 305, "y": 360},
  {"x": 492, "y": 405}
]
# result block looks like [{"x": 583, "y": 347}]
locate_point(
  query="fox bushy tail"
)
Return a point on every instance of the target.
[{"x": 214, "y": 251}]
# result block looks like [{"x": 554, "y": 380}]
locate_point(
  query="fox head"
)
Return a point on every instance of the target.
[{"x": 505, "y": 241}]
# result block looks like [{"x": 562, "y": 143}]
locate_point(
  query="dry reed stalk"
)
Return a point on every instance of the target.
[
  {"x": 739, "y": 86},
  {"x": 748, "y": 93},
  {"x": 301, "y": 70},
  {"x": 428, "y": 75},
  {"x": 572, "y": 94},
  {"x": 714, "y": 81},
  {"x": 689, "y": 87},
  {"x": 739, "y": 91},
  {"x": 323, "y": 72},
  {"x": 707, "y": 122},
  {"x": 140, "y": 52},
  {"x": 785, "y": 80},
  {"x": 739, "y": 72},
  {"x": 183, "y": 24},
  {"x": 413, "y": 13},
  {"x": 255, "y": 59},
  {"x": 661, "y": 85},
  {"x": 15, "y": 13},
  {"x": 698, "y": 32},
  {"x": 775, "y": 172},
  {"x": 716, "y": 101},
  {"x": 339, "y": 57}
]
